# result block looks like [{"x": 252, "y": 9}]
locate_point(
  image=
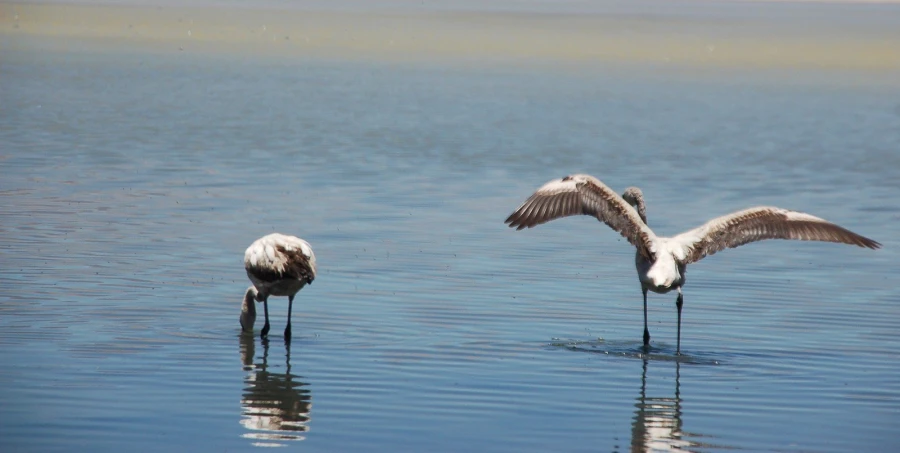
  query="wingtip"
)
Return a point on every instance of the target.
[
  {"x": 513, "y": 221},
  {"x": 515, "y": 224}
]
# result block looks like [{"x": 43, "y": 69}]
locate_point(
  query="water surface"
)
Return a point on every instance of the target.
[{"x": 132, "y": 182}]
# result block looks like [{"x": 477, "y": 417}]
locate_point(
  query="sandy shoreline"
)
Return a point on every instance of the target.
[{"x": 412, "y": 35}]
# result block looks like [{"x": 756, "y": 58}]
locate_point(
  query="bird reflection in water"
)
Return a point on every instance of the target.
[
  {"x": 274, "y": 406},
  {"x": 657, "y": 421}
]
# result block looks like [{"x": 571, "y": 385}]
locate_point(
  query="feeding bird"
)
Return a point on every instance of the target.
[
  {"x": 661, "y": 261},
  {"x": 277, "y": 265}
]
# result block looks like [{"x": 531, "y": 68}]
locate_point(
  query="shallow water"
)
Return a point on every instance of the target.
[{"x": 133, "y": 182}]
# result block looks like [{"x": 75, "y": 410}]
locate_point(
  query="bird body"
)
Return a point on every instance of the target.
[
  {"x": 279, "y": 265},
  {"x": 661, "y": 261},
  {"x": 662, "y": 274}
]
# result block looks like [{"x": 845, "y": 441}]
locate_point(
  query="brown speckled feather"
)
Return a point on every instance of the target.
[
  {"x": 760, "y": 223},
  {"x": 296, "y": 266},
  {"x": 584, "y": 195}
]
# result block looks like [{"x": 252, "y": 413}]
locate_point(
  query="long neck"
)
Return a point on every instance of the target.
[
  {"x": 248, "y": 309},
  {"x": 634, "y": 197},
  {"x": 641, "y": 209}
]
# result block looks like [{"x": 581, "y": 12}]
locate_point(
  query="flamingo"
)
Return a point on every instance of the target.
[
  {"x": 277, "y": 265},
  {"x": 661, "y": 261}
]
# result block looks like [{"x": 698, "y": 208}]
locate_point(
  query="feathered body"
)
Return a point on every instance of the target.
[
  {"x": 661, "y": 261},
  {"x": 279, "y": 265}
]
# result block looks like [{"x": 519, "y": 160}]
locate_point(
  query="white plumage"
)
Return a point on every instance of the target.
[
  {"x": 661, "y": 261},
  {"x": 278, "y": 265}
]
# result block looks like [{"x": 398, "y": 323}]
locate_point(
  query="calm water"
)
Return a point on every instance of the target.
[{"x": 131, "y": 184}]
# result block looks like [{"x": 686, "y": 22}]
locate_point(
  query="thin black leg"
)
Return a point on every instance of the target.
[
  {"x": 678, "y": 303},
  {"x": 265, "y": 329},
  {"x": 646, "y": 330},
  {"x": 287, "y": 330}
]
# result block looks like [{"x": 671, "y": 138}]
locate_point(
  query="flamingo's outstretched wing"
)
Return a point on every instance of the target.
[
  {"x": 584, "y": 195},
  {"x": 757, "y": 224}
]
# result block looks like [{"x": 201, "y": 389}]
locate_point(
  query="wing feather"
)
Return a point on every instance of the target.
[
  {"x": 584, "y": 195},
  {"x": 276, "y": 256},
  {"x": 297, "y": 265},
  {"x": 761, "y": 223}
]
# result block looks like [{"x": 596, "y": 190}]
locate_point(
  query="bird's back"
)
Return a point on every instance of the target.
[
  {"x": 273, "y": 249},
  {"x": 278, "y": 263}
]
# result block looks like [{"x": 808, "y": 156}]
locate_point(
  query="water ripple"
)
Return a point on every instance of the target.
[{"x": 129, "y": 195}]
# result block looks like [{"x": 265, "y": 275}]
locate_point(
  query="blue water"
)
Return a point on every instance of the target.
[{"x": 132, "y": 183}]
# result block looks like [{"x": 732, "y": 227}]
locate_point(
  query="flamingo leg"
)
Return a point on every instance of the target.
[
  {"x": 265, "y": 329},
  {"x": 287, "y": 330},
  {"x": 646, "y": 330},
  {"x": 678, "y": 303}
]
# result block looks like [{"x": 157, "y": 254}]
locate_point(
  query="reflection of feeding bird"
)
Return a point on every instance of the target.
[
  {"x": 275, "y": 407},
  {"x": 661, "y": 261},
  {"x": 278, "y": 265}
]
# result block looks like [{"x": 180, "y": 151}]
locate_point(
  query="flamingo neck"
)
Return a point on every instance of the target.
[
  {"x": 634, "y": 197},
  {"x": 248, "y": 309},
  {"x": 642, "y": 210}
]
